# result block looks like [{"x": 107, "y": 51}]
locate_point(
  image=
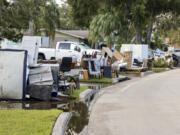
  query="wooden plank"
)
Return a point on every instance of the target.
[{"x": 137, "y": 69}]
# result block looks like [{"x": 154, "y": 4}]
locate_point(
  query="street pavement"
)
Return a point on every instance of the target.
[{"x": 144, "y": 106}]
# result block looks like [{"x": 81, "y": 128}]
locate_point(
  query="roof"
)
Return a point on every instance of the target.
[{"x": 82, "y": 34}]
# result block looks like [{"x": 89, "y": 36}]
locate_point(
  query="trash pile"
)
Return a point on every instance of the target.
[
  {"x": 22, "y": 77},
  {"x": 111, "y": 62}
]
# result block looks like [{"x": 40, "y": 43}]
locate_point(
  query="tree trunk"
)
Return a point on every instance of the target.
[
  {"x": 139, "y": 36},
  {"x": 150, "y": 29}
]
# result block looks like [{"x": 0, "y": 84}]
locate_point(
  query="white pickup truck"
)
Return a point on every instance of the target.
[{"x": 66, "y": 49}]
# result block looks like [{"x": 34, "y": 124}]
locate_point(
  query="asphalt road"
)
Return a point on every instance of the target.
[{"x": 146, "y": 106}]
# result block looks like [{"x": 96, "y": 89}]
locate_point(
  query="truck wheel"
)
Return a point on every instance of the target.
[
  {"x": 41, "y": 57},
  {"x": 53, "y": 58}
]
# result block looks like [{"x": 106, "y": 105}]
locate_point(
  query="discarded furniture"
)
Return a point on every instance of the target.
[
  {"x": 140, "y": 51},
  {"x": 56, "y": 76},
  {"x": 138, "y": 69},
  {"x": 108, "y": 51},
  {"x": 137, "y": 63},
  {"x": 40, "y": 74},
  {"x": 128, "y": 58},
  {"x": 13, "y": 74},
  {"x": 73, "y": 76},
  {"x": 93, "y": 66},
  {"x": 65, "y": 66},
  {"x": 30, "y": 44},
  {"x": 135, "y": 54},
  {"x": 57, "y": 81},
  {"x": 118, "y": 61},
  {"x": 40, "y": 92},
  {"x": 107, "y": 72},
  {"x": 134, "y": 64},
  {"x": 47, "y": 61},
  {"x": 85, "y": 74}
]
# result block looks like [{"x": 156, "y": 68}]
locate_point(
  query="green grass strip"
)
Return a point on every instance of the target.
[
  {"x": 77, "y": 92},
  {"x": 159, "y": 69},
  {"x": 27, "y": 122},
  {"x": 96, "y": 80}
]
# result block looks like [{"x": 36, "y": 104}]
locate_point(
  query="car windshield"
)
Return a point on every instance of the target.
[{"x": 84, "y": 46}]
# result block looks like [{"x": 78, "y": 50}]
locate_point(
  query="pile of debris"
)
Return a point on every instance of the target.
[
  {"x": 109, "y": 63},
  {"x": 22, "y": 77}
]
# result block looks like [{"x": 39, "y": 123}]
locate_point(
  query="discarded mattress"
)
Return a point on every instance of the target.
[
  {"x": 140, "y": 52},
  {"x": 13, "y": 67}
]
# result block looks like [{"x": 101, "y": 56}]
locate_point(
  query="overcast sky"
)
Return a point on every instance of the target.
[{"x": 60, "y": 2}]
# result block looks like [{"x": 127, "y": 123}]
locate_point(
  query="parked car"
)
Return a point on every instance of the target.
[
  {"x": 176, "y": 52},
  {"x": 176, "y": 57},
  {"x": 65, "y": 49},
  {"x": 88, "y": 49}
]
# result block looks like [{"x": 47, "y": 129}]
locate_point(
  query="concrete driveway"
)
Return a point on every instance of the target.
[{"x": 145, "y": 106}]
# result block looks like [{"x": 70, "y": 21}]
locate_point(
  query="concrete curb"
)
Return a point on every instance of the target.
[
  {"x": 84, "y": 131},
  {"x": 146, "y": 73},
  {"x": 61, "y": 124},
  {"x": 86, "y": 95}
]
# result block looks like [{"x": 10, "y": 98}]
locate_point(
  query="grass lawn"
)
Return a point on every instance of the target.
[
  {"x": 27, "y": 122},
  {"x": 95, "y": 80},
  {"x": 77, "y": 92},
  {"x": 159, "y": 69},
  {"x": 131, "y": 72}
]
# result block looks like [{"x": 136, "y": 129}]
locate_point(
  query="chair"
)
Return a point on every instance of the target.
[
  {"x": 66, "y": 64},
  {"x": 59, "y": 80},
  {"x": 94, "y": 69}
]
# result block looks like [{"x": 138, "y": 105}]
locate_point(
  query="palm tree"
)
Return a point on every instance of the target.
[{"x": 111, "y": 27}]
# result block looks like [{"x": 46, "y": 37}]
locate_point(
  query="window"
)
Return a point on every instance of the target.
[
  {"x": 65, "y": 46},
  {"x": 84, "y": 46},
  {"x": 77, "y": 49}
]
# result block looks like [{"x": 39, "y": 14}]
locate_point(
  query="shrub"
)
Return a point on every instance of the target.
[
  {"x": 160, "y": 63},
  {"x": 118, "y": 47}
]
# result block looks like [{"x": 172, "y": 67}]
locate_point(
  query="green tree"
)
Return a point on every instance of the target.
[
  {"x": 139, "y": 16},
  {"x": 13, "y": 21},
  {"x": 17, "y": 16},
  {"x": 66, "y": 19},
  {"x": 51, "y": 19},
  {"x": 83, "y": 11},
  {"x": 169, "y": 27}
]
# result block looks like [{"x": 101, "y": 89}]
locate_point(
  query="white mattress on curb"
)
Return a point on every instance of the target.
[{"x": 12, "y": 74}]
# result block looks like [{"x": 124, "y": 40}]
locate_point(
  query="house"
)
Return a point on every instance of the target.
[{"x": 70, "y": 35}]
